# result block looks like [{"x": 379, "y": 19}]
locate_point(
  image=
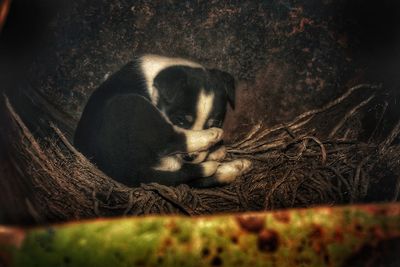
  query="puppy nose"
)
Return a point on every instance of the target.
[{"x": 189, "y": 157}]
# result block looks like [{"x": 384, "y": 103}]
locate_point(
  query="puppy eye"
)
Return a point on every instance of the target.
[
  {"x": 180, "y": 122},
  {"x": 183, "y": 120},
  {"x": 214, "y": 123},
  {"x": 189, "y": 118}
]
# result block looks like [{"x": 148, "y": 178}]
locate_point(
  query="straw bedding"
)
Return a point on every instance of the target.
[{"x": 320, "y": 157}]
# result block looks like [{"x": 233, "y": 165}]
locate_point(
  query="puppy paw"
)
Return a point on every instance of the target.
[
  {"x": 202, "y": 140},
  {"x": 228, "y": 172},
  {"x": 196, "y": 157},
  {"x": 209, "y": 168},
  {"x": 218, "y": 154},
  {"x": 214, "y": 135}
]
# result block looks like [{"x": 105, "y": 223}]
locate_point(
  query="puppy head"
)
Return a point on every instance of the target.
[{"x": 194, "y": 98}]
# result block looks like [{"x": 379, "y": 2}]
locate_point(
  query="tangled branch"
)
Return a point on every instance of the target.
[{"x": 295, "y": 164}]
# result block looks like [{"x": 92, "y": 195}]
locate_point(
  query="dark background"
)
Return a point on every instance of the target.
[{"x": 287, "y": 56}]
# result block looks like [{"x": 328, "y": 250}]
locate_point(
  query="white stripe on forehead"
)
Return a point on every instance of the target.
[
  {"x": 151, "y": 65},
  {"x": 203, "y": 109}
]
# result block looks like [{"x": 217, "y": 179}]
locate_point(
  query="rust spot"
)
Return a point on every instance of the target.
[
  {"x": 234, "y": 239},
  {"x": 168, "y": 242},
  {"x": 387, "y": 210},
  {"x": 205, "y": 252},
  {"x": 316, "y": 232},
  {"x": 377, "y": 210},
  {"x": 253, "y": 224},
  {"x": 268, "y": 240},
  {"x": 220, "y": 231},
  {"x": 282, "y": 217},
  {"x": 216, "y": 261},
  {"x": 338, "y": 235},
  {"x": 326, "y": 259},
  {"x": 358, "y": 227},
  {"x": 175, "y": 230},
  {"x": 219, "y": 250},
  {"x": 11, "y": 236},
  {"x": 315, "y": 239},
  {"x": 300, "y": 248},
  {"x": 318, "y": 247},
  {"x": 377, "y": 232}
]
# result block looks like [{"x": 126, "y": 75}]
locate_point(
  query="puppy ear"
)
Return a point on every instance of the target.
[
  {"x": 227, "y": 82},
  {"x": 168, "y": 83}
]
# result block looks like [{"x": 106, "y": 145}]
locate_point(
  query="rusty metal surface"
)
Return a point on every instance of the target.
[
  {"x": 4, "y": 7},
  {"x": 323, "y": 236}
]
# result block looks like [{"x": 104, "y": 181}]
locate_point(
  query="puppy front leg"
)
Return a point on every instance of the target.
[
  {"x": 173, "y": 172},
  {"x": 200, "y": 140},
  {"x": 226, "y": 173},
  {"x": 217, "y": 154}
]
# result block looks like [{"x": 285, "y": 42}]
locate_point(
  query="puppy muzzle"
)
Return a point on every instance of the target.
[{"x": 197, "y": 157}]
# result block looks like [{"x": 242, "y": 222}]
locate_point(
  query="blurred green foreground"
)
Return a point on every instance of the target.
[{"x": 327, "y": 236}]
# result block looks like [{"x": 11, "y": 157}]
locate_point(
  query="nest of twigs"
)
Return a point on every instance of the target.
[{"x": 317, "y": 158}]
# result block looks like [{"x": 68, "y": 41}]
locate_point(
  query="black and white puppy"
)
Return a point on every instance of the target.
[{"x": 156, "y": 119}]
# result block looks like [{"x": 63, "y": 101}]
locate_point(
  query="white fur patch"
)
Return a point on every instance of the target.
[
  {"x": 197, "y": 141},
  {"x": 209, "y": 168},
  {"x": 151, "y": 65},
  {"x": 203, "y": 109},
  {"x": 228, "y": 172},
  {"x": 169, "y": 164},
  {"x": 218, "y": 154}
]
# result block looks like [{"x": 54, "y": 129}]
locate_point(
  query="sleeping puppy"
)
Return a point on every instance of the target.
[{"x": 156, "y": 120}]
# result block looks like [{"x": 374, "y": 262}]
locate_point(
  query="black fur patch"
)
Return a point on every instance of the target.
[{"x": 125, "y": 135}]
